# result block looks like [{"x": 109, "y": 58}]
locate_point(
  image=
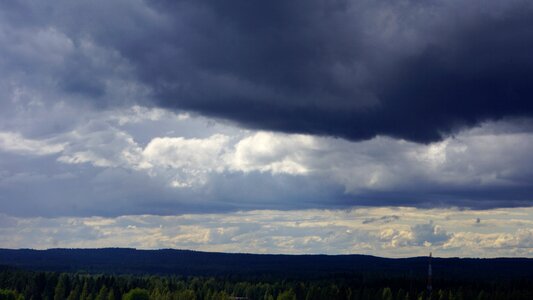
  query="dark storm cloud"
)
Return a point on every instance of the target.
[
  {"x": 480, "y": 72},
  {"x": 353, "y": 69},
  {"x": 316, "y": 67},
  {"x": 474, "y": 198}
]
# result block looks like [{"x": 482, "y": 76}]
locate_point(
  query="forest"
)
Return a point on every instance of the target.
[
  {"x": 18, "y": 284},
  {"x": 115, "y": 273}
]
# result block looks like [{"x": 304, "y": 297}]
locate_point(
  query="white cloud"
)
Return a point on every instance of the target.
[
  {"x": 393, "y": 238},
  {"x": 16, "y": 143},
  {"x": 182, "y": 153},
  {"x": 102, "y": 146},
  {"x": 191, "y": 160},
  {"x": 271, "y": 152}
]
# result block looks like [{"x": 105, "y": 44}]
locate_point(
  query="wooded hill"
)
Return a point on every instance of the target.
[{"x": 194, "y": 263}]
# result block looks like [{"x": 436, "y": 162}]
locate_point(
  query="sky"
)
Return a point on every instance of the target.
[{"x": 390, "y": 128}]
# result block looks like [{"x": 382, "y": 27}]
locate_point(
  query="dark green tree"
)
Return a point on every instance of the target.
[
  {"x": 287, "y": 295},
  {"x": 9, "y": 295},
  {"x": 136, "y": 294},
  {"x": 386, "y": 294},
  {"x": 62, "y": 288}
]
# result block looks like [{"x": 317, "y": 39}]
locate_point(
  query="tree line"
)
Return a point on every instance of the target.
[{"x": 20, "y": 284}]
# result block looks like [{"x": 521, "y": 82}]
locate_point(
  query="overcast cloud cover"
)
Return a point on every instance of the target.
[{"x": 141, "y": 109}]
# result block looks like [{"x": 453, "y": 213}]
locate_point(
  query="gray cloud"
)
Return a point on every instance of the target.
[
  {"x": 429, "y": 233},
  {"x": 383, "y": 219}
]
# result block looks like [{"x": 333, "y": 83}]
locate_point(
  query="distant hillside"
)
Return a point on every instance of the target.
[{"x": 184, "y": 262}]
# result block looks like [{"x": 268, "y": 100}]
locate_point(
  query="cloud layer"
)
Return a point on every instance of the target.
[
  {"x": 413, "y": 232},
  {"x": 353, "y": 69},
  {"x": 141, "y": 160}
]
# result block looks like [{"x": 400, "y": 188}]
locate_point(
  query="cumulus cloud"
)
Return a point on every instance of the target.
[
  {"x": 268, "y": 152},
  {"x": 192, "y": 159},
  {"x": 516, "y": 243},
  {"x": 429, "y": 234}
]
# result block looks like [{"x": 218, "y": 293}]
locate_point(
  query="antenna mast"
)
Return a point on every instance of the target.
[{"x": 430, "y": 273}]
